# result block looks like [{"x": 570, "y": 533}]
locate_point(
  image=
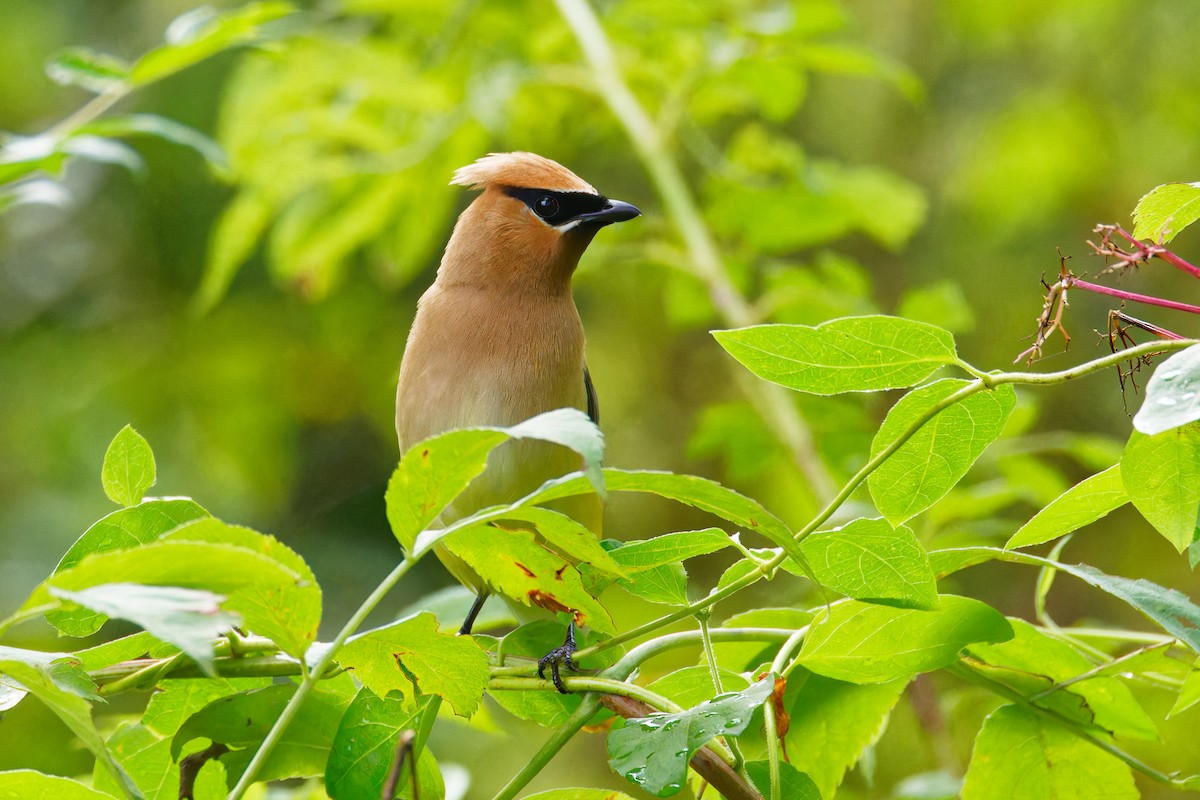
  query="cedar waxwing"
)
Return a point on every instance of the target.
[{"x": 497, "y": 338}]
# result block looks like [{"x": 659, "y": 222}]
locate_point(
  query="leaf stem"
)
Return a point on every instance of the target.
[
  {"x": 306, "y": 685},
  {"x": 587, "y": 708}
]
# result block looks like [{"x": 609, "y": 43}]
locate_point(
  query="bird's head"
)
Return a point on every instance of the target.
[{"x": 530, "y": 225}]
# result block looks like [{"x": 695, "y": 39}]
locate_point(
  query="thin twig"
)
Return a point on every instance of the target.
[
  {"x": 189, "y": 768},
  {"x": 404, "y": 747}
]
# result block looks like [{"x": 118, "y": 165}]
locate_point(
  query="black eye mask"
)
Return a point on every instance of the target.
[{"x": 558, "y": 208}]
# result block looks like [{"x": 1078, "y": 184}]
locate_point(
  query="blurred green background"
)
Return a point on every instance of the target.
[{"x": 849, "y": 157}]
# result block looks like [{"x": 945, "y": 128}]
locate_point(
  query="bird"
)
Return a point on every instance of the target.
[{"x": 497, "y": 339}]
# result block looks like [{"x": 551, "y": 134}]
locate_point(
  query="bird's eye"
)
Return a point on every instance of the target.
[{"x": 546, "y": 206}]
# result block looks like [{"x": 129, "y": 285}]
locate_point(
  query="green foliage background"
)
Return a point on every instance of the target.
[{"x": 920, "y": 159}]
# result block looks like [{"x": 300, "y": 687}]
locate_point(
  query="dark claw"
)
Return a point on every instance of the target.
[{"x": 557, "y": 656}]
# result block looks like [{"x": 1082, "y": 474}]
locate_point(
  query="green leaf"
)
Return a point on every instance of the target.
[
  {"x": 514, "y": 564},
  {"x": 414, "y": 658},
  {"x": 670, "y": 548},
  {"x": 25, "y": 784},
  {"x": 947, "y": 562},
  {"x": 42, "y": 682},
  {"x": 1165, "y": 211},
  {"x": 1082, "y": 504},
  {"x": 653, "y": 752},
  {"x": 79, "y": 66},
  {"x": 1172, "y": 394},
  {"x": 938, "y": 455},
  {"x": 1034, "y": 664},
  {"x": 1162, "y": 475},
  {"x": 144, "y": 749},
  {"x": 162, "y": 128},
  {"x": 241, "y": 721},
  {"x": 434, "y": 472},
  {"x": 128, "y": 469},
  {"x": 562, "y": 533},
  {"x": 259, "y": 588},
  {"x": 692, "y": 686},
  {"x": 364, "y": 748},
  {"x": 701, "y": 493},
  {"x": 187, "y": 618},
  {"x": 549, "y": 709},
  {"x": 1189, "y": 694},
  {"x": 126, "y": 648},
  {"x": 793, "y": 784},
  {"x": 865, "y": 643},
  {"x": 130, "y": 527},
  {"x": 833, "y": 723},
  {"x": 289, "y": 617},
  {"x": 202, "y": 33},
  {"x": 232, "y": 241},
  {"x": 1017, "y": 754},
  {"x": 852, "y": 354},
  {"x": 869, "y": 560},
  {"x": 665, "y": 584},
  {"x": 744, "y": 656}
]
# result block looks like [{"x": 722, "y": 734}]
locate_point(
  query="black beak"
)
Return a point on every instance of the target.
[{"x": 613, "y": 211}]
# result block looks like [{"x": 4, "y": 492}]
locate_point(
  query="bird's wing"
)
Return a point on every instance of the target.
[{"x": 593, "y": 403}]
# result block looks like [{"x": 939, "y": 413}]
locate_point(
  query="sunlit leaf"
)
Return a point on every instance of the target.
[
  {"x": 1173, "y": 391},
  {"x": 162, "y": 128},
  {"x": 669, "y": 548},
  {"x": 939, "y": 454},
  {"x": 692, "y": 686},
  {"x": 1018, "y": 754},
  {"x": 130, "y": 527},
  {"x": 793, "y": 784},
  {"x": 414, "y": 658},
  {"x": 1162, "y": 475},
  {"x": 1189, "y": 693},
  {"x": 128, "y": 469},
  {"x": 853, "y": 354},
  {"x": 869, "y": 560},
  {"x": 562, "y": 534},
  {"x": 865, "y": 643},
  {"x": 666, "y": 584},
  {"x": 1082, "y": 504},
  {"x": 126, "y": 648},
  {"x": 1165, "y": 211},
  {"x": 652, "y": 752}
]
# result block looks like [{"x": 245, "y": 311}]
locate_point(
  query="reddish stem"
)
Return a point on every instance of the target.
[
  {"x": 1155, "y": 250},
  {"x": 1133, "y": 297}
]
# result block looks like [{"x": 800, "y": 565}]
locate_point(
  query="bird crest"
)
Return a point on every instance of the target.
[{"x": 520, "y": 170}]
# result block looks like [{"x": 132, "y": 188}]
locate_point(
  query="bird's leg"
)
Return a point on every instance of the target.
[
  {"x": 469, "y": 622},
  {"x": 560, "y": 655}
]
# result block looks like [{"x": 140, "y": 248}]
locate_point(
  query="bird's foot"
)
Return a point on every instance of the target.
[{"x": 560, "y": 656}]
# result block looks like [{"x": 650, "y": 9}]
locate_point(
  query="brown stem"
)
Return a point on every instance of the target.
[
  {"x": 705, "y": 762},
  {"x": 189, "y": 768},
  {"x": 403, "y": 750}
]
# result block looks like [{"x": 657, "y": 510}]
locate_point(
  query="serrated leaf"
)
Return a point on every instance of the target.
[
  {"x": 364, "y": 748},
  {"x": 79, "y": 66},
  {"x": 130, "y": 527},
  {"x": 665, "y": 584},
  {"x": 1017, "y": 754},
  {"x": 1165, "y": 211},
  {"x": 1082, "y": 504},
  {"x": 197, "y": 36},
  {"x": 563, "y": 534},
  {"x": 1162, "y": 475},
  {"x": 187, "y": 618},
  {"x": 414, "y": 658},
  {"x": 1033, "y": 664},
  {"x": 870, "y": 560},
  {"x": 852, "y": 354},
  {"x": 128, "y": 469},
  {"x": 864, "y": 643},
  {"x": 289, "y": 617},
  {"x": 25, "y": 784},
  {"x": 514, "y": 564},
  {"x": 259, "y": 588},
  {"x": 833, "y": 723},
  {"x": 241, "y": 721},
  {"x": 653, "y": 751},
  {"x": 1172, "y": 394},
  {"x": 669, "y": 548},
  {"x": 938, "y": 455}
]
